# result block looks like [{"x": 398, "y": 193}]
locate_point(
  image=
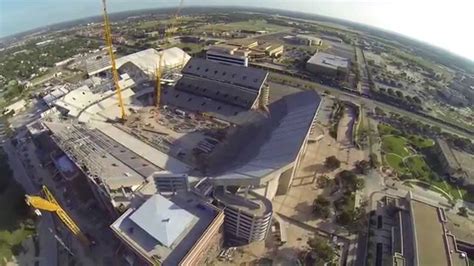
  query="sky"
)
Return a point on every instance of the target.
[{"x": 446, "y": 24}]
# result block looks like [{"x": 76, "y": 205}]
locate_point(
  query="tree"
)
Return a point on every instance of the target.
[
  {"x": 374, "y": 162},
  {"x": 321, "y": 251},
  {"x": 463, "y": 212},
  {"x": 399, "y": 94},
  {"x": 321, "y": 206},
  {"x": 362, "y": 166},
  {"x": 348, "y": 180},
  {"x": 332, "y": 162},
  {"x": 323, "y": 181}
]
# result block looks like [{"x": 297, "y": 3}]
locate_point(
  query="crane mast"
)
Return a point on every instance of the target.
[
  {"x": 50, "y": 204},
  {"x": 159, "y": 70},
  {"x": 108, "y": 40}
]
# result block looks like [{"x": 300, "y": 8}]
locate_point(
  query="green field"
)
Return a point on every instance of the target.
[
  {"x": 385, "y": 129},
  {"x": 395, "y": 144},
  {"x": 251, "y": 25},
  {"x": 396, "y": 163},
  {"x": 420, "y": 142},
  {"x": 418, "y": 167}
]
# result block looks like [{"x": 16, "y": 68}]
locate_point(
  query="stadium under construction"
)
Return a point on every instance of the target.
[{"x": 213, "y": 155}]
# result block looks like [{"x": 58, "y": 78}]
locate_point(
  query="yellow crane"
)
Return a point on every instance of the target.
[
  {"x": 50, "y": 204},
  {"x": 108, "y": 41},
  {"x": 159, "y": 70},
  {"x": 158, "y": 81}
]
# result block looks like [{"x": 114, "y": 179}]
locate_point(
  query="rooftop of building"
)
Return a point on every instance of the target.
[
  {"x": 308, "y": 37},
  {"x": 273, "y": 141},
  {"x": 101, "y": 156},
  {"x": 247, "y": 43},
  {"x": 165, "y": 230},
  {"x": 433, "y": 245},
  {"x": 250, "y": 203},
  {"x": 329, "y": 60},
  {"x": 457, "y": 159},
  {"x": 146, "y": 60}
]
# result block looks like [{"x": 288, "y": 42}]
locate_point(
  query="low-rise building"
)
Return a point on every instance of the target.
[
  {"x": 409, "y": 232},
  {"x": 456, "y": 164},
  {"x": 182, "y": 230},
  {"x": 328, "y": 65},
  {"x": 228, "y": 54}
]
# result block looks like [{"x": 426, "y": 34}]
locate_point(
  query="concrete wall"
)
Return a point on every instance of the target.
[{"x": 285, "y": 181}]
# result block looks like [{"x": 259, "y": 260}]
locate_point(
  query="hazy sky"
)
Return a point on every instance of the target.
[{"x": 447, "y": 24}]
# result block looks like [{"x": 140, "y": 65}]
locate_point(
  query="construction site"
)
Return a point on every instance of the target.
[{"x": 182, "y": 155}]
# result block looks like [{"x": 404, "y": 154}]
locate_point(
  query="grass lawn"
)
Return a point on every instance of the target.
[
  {"x": 396, "y": 163},
  {"x": 421, "y": 142},
  {"x": 385, "y": 129},
  {"x": 418, "y": 167},
  {"x": 395, "y": 144}
]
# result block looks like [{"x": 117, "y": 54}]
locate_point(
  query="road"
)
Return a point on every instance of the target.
[
  {"x": 48, "y": 255},
  {"x": 371, "y": 103}
]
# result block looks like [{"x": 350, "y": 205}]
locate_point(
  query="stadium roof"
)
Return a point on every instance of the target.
[
  {"x": 162, "y": 219},
  {"x": 329, "y": 60},
  {"x": 275, "y": 141},
  {"x": 147, "y": 60}
]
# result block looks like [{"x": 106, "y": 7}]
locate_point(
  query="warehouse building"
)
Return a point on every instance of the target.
[{"x": 328, "y": 65}]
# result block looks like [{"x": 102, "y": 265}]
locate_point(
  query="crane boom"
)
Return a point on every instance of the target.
[
  {"x": 108, "y": 41},
  {"x": 50, "y": 204}
]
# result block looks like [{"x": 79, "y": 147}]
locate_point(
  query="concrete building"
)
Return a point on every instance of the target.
[
  {"x": 15, "y": 107},
  {"x": 270, "y": 49},
  {"x": 309, "y": 40},
  {"x": 228, "y": 54},
  {"x": 456, "y": 164},
  {"x": 248, "y": 216},
  {"x": 415, "y": 233},
  {"x": 182, "y": 230},
  {"x": 328, "y": 64},
  {"x": 243, "y": 43}
]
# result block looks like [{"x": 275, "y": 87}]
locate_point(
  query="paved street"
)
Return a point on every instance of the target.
[
  {"x": 48, "y": 246},
  {"x": 370, "y": 103}
]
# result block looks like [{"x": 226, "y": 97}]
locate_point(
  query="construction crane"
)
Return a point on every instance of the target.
[
  {"x": 159, "y": 70},
  {"x": 50, "y": 204},
  {"x": 158, "y": 81},
  {"x": 108, "y": 41}
]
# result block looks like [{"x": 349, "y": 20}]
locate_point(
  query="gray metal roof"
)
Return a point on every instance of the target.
[
  {"x": 329, "y": 60},
  {"x": 162, "y": 219},
  {"x": 238, "y": 75},
  {"x": 274, "y": 142}
]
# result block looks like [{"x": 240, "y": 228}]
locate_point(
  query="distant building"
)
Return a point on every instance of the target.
[
  {"x": 243, "y": 43},
  {"x": 182, "y": 230},
  {"x": 456, "y": 164},
  {"x": 309, "y": 40},
  {"x": 15, "y": 107},
  {"x": 270, "y": 49},
  {"x": 328, "y": 64},
  {"x": 228, "y": 54}
]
